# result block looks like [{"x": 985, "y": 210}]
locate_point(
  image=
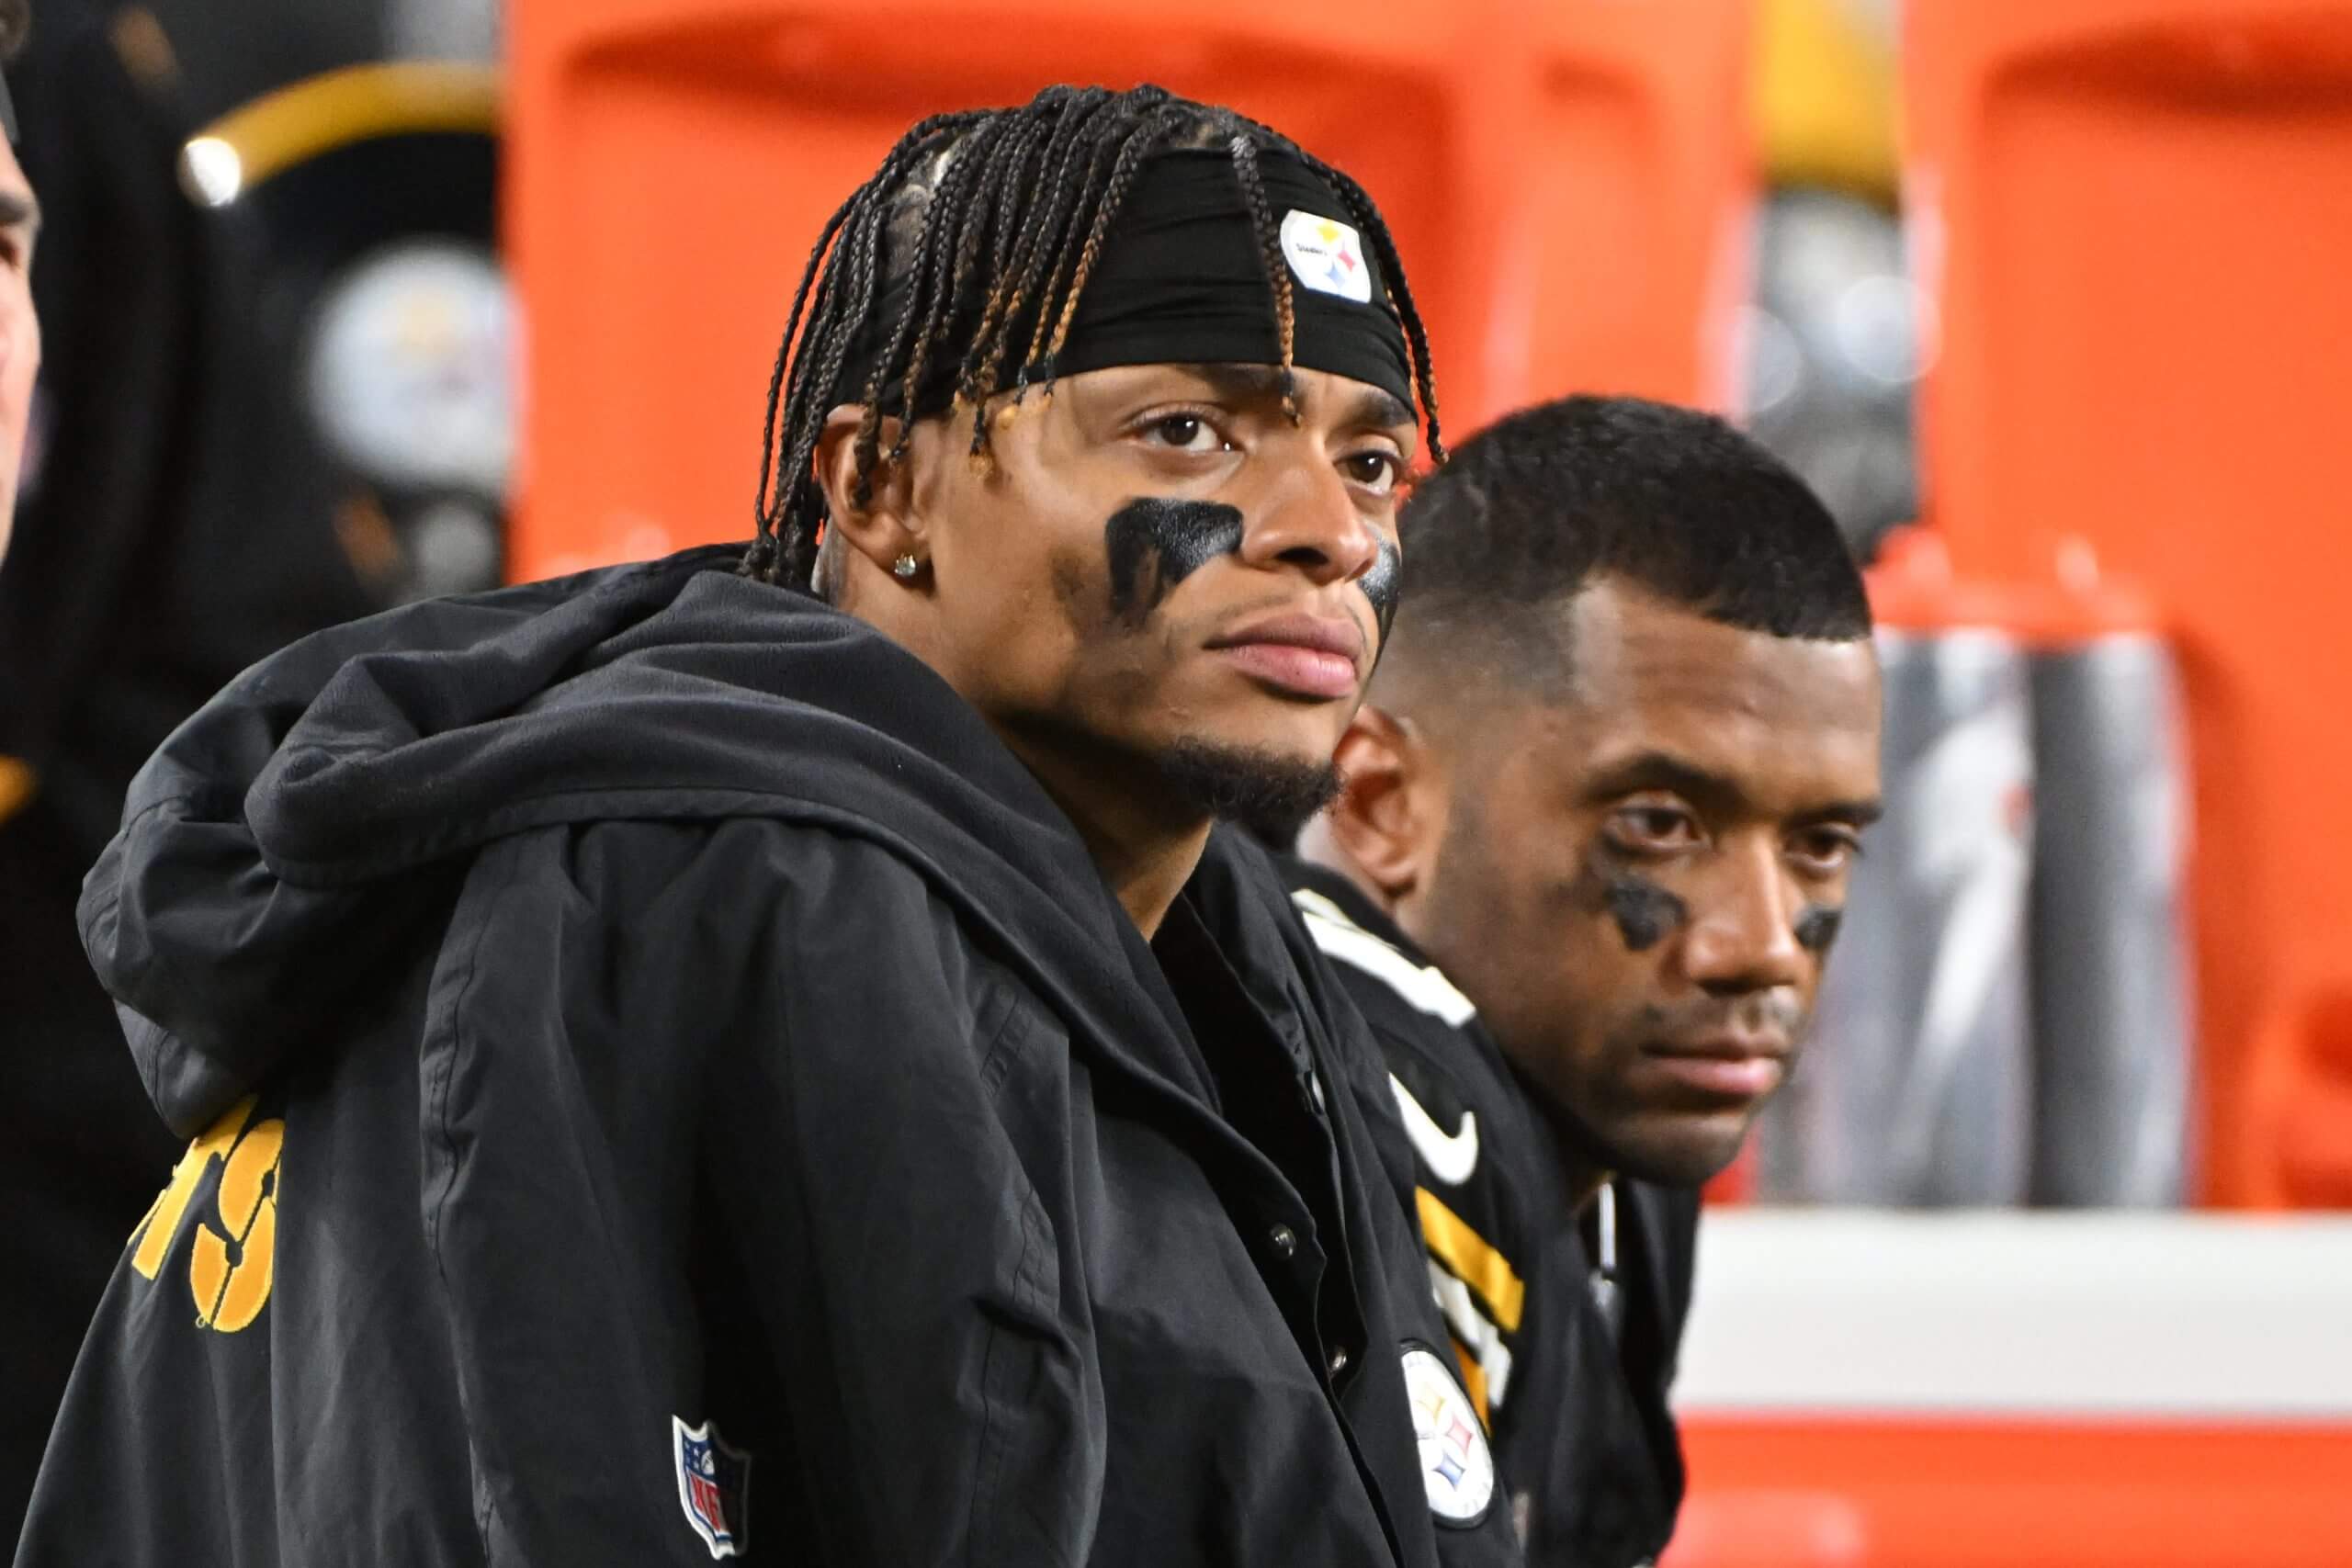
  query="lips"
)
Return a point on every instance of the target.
[
  {"x": 1731, "y": 1067},
  {"x": 1727, "y": 1047},
  {"x": 1304, "y": 655}
]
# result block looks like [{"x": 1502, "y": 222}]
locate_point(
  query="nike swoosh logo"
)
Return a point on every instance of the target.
[{"x": 1450, "y": 1156}]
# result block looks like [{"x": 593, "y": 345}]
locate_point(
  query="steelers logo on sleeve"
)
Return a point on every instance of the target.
[{"x": 1457, "y": 1467}]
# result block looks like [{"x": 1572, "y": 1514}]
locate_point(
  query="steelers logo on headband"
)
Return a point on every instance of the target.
[
  {"x": 1183, "y": 280},
  {"x": 1328, "y": 254}
]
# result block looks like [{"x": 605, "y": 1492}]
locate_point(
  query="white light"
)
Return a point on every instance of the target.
[
  {"x": 211, "y": 171},
  {"x": 1876, "y": 321}
]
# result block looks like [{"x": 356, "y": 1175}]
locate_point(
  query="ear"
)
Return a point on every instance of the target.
[
  {"x": 881, "y": 526},
  {"x": 1391, "y": 815}
]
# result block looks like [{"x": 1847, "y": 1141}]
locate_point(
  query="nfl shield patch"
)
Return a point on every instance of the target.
[{"x": 713, "y": 1482}]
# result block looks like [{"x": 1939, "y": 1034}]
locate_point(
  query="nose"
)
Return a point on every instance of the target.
[
  {"x": 1307, "y": 519},
  {"x": 1742, "y": 938}
]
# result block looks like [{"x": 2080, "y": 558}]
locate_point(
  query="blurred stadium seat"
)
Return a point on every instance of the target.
[
  {"x": 1570, "y": 186},
  {"x": 2136, "y": 218}
]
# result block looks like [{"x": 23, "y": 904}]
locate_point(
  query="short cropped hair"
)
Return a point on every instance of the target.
[{"x": 1552, "y": 499}]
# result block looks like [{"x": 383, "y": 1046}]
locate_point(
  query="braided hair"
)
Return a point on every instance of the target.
[{"x": 1017, "y": 203}]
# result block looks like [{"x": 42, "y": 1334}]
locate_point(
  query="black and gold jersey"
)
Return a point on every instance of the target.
[{"x": 1567, "y": 1323}]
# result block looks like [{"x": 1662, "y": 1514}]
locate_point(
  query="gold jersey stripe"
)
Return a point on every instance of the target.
[{"x": 1471, "y": 1261}]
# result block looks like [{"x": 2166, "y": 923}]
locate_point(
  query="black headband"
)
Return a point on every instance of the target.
[{"x": 1181, "y": 280}]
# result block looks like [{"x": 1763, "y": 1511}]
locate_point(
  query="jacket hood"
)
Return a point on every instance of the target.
[{"x": 291, "y": 836}]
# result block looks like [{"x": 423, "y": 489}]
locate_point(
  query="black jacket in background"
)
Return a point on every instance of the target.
[
  {"x": 635, "y": 1020},
  {"x": 175, "y": 528},
  {"x": 1579, "y": 1418}
]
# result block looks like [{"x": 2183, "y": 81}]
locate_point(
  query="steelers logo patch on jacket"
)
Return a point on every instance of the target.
[{"x": 1457, "y": 1466}]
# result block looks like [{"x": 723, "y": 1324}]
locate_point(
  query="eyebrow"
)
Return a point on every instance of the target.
[
  {"x": 1373, "y": 406},
  {"x": 1663, "y": 770},
  {"x": 1858, "y": 813},
  {"x": 1243, "y": 383},
  {"x": 1710, "y": 790},
  {"x": 1263, "y": 383}
]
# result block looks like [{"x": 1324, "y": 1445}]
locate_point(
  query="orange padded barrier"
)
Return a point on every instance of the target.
[
  {"x": 2136, "y": 216},
  {"x": 2289, "y": 1146},
  {"x": 1856, "y": 1492},
  {"x": 1629, "y": 186},
  {"x": 1568, "y": 184}
]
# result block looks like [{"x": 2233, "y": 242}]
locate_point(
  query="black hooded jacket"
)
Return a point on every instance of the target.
[{"x": 667, "y": 1084}]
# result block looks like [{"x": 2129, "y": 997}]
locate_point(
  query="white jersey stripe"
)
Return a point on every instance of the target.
[
  {"x": 1474, "y": 1329},
  {"x": 1340, "y": 938}
]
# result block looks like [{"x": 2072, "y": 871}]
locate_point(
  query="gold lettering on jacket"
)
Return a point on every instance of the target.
[{"x": 233, "y": 1256}]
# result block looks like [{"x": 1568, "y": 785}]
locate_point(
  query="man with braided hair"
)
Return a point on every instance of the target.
[{"x": 770, "y": 1051}]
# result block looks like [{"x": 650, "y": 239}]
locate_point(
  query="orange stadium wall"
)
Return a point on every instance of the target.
[
  {"x": 1570, "y": 186},
  {"x": 2136, "y": 217}
]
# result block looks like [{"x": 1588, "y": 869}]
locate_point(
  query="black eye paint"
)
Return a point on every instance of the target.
[
  {"x": 1644, "y": 911},
  {"x": 1817, "y": 927},
  {"x": 1382, "y": 584},
  {"x": 1173, "y": 538}
]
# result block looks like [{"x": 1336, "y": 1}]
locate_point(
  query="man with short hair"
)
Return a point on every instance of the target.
[
  {"x": 171, "y": 523},
  {"x": 29, "y": 1361},
  {"x": 1601, "y": 803},
  {"x": 19, "y": 328},
  {"x": 678, "y": 1065}
]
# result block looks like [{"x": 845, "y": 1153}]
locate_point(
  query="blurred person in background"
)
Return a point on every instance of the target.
[
  {"x": 173, "y": 526},
  {"x": 19, "y": 327},
  {"x": 1602, "y": 803},
  {"x": 672, "y": 1054}
]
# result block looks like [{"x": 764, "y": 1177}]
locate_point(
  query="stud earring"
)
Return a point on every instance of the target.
[{"x": 905, "y": 567}]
